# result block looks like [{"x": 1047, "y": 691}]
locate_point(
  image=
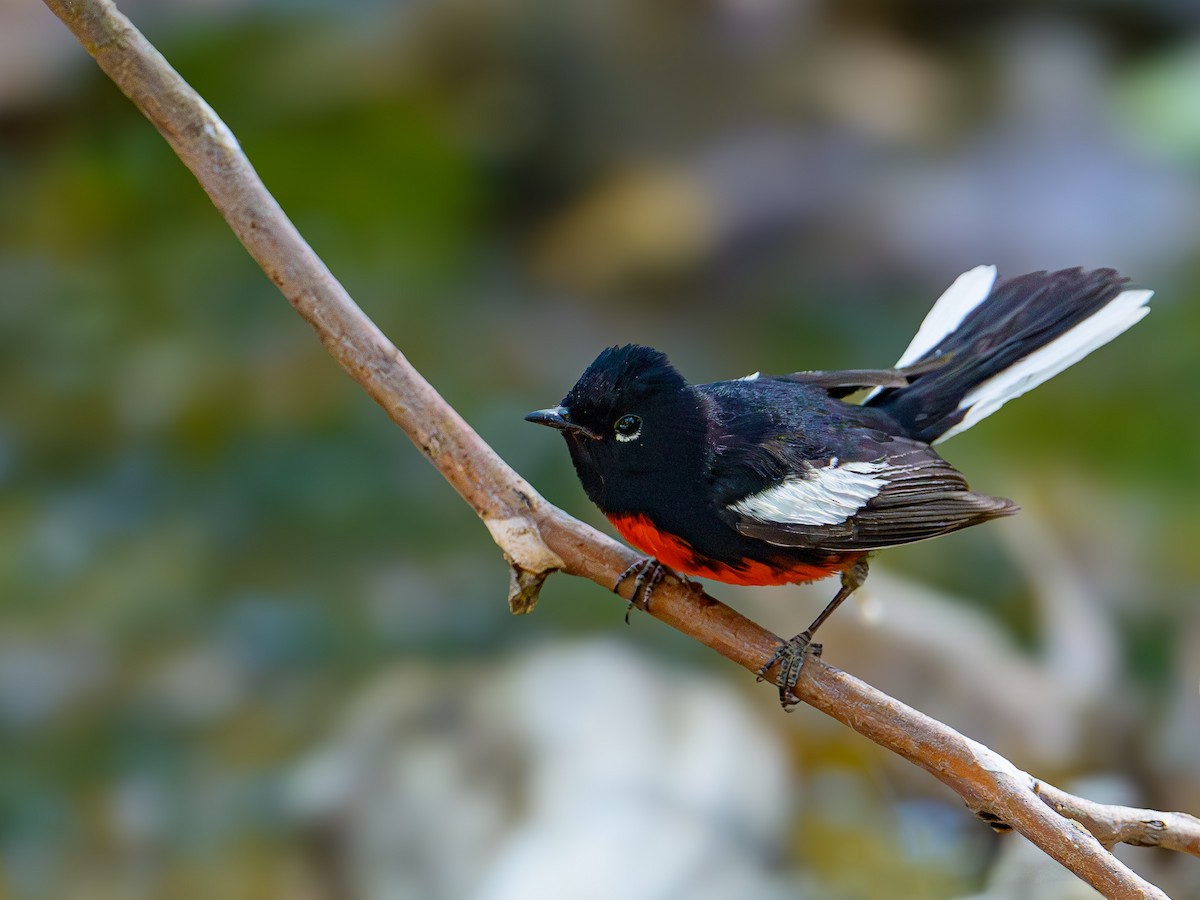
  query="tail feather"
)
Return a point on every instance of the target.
[
  {"x": 966, "y": 293},
  {"x": 1000, "y": 340}
]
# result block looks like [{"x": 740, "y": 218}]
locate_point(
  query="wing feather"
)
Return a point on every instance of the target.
[
  {"x": 914, "y": 495},
  {"x": 844, "y": 382}
]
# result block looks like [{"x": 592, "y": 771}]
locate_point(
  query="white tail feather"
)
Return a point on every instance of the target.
[
  {"x": 967, "y": 292},
  {"x": 1121, "y": 313}
]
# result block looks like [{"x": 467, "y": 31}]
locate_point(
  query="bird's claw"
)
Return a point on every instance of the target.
[
  {"x": 790, "y": 655},
  {"x": 649, "y": 573}
]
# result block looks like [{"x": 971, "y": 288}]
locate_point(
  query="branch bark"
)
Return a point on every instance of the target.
[{"x": 538, "y": 539}]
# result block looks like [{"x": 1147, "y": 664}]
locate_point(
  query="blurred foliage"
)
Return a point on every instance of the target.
[{"x": 210, "y": 539}]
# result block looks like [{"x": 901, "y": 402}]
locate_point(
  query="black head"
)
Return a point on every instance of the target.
[{"x": 631, "y": 423}]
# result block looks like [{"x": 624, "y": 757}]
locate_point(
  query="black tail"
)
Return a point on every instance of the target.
[{"x": 999, "y": 340}]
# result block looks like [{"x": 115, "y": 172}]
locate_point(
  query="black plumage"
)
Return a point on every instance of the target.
[{"x": 776, "y": 479}]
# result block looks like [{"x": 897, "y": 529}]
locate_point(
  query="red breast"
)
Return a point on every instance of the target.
[{"x": 678, "y": 554}]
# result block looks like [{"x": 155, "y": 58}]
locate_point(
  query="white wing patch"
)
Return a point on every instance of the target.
[
  {"x": 968, "y": 291},
  {"x": 828, "y": 495},
  {"x": 1121, "y": 313}
]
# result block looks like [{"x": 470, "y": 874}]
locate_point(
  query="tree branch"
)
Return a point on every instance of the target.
[{"x": 537, "y": 538}]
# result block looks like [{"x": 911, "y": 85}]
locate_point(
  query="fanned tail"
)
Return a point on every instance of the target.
[{"x": 1001, "y": 339}]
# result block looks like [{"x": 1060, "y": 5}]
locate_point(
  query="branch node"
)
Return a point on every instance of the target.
[
  {"x": 524, "y": 587},
  {"x": 530, "y": 560}
]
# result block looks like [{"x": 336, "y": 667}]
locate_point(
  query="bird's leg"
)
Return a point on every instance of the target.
[
  {"x": 649, "y": 572},
  {"x": 791, "y": 654}
]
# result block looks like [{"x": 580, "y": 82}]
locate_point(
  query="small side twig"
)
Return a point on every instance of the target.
[
  {"x": 538, "y": 538},
  {"x": 1112, "y": 824}
]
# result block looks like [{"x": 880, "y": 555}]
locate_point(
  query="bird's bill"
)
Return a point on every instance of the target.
[{"x": 559, "y": 417}]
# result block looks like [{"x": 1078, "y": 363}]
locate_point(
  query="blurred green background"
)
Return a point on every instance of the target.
[{"x": 251, "y": 645}]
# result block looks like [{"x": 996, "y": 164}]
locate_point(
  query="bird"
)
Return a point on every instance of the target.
[{"x": 782, "y": 479}]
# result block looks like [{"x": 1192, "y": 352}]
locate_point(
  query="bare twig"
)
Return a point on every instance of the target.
[
  {"x": 538, "y": 538},
  {"x": 1114, "y": 825}
]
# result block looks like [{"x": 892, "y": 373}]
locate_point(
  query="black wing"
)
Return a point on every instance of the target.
[
  {"x": 900, "y": 493},
  {"x": 844, "y": 382}
]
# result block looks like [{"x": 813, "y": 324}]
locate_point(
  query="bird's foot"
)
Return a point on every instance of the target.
[
  {"x": 648, "y": 572},
  {"x": 790, "y": 655}
]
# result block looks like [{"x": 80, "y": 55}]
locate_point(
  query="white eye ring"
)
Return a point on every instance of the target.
[{"x": 627, "y": 428}]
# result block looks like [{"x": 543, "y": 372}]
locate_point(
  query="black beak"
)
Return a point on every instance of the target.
[{"x": 558, "y": 417}]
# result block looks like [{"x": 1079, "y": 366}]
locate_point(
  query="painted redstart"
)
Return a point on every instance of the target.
[{"x": 775, "y": 479}]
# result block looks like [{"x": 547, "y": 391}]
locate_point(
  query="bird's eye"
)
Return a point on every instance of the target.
[{"x": 627, "y": 428}]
